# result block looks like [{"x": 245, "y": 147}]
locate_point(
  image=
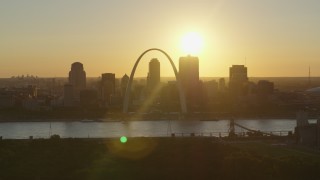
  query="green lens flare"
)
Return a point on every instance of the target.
[{"x": 123, "y": 139}]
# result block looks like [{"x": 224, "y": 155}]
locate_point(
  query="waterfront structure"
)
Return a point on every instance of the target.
[
  {"x": 307, "y": 134},
  {"x": 77, "y": 78},
  {"x": 153, "y": 79},
  {"x": 180, "y": 88},
  {"x": 108, "y": 85},
  {"x": 238, "y": 79}
]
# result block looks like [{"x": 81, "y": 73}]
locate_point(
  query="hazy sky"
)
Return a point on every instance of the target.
[{"x": 42, "y": 37}]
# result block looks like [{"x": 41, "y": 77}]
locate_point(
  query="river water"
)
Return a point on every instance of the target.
[{"x": 80, "y": 129}]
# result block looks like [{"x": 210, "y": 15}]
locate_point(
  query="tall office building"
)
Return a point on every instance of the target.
[
  {"x": 108, "y": 87},
  {"x": 153, "y": 79},
  {"x": 189, "y": 70},
  {"x": 238, "y": 79},
  {"x": 77, "y": 78},
  {"x": 189, "y": 78},
  {"x": 124, "y": 84}
]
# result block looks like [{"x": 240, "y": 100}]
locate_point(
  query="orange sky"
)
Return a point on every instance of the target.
[{"x": 43, "y": 38}]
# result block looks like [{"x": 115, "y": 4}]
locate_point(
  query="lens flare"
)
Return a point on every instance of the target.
[{"x": 123, "y": 139}]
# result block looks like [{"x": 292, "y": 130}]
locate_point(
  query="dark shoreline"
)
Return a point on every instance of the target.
[{"x": 157, "y": 158}]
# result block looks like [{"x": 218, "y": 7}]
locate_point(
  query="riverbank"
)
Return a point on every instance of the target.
[
  {"x": 156, "y": 158},
  {"x": 71, "y": 114},
  {"x": 133, "y": 117},
  {"x": 121, "y": 120}
]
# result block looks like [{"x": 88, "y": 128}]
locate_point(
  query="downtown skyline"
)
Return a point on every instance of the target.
[{"x": 44, "y": 38}]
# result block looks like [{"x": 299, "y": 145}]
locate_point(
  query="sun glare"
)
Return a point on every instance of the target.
[{"x": 192, "y": 43}]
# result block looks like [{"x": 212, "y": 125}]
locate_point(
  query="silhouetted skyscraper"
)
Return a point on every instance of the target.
[
  {"x": 189, "y": 77},
  {"x": 238, "y": 79},
  {"x": 189, "y": 70},
  {"x": 154, "y": 74},
  {"x": 124, "y": 84},
  {"x": 77, "y": 78},
  {"x": 108, "y": 87}
]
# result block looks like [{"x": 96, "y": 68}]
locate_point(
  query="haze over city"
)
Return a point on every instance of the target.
[
  {"x": 145, "y": 89},
  {"x": 44, "y": 37}
]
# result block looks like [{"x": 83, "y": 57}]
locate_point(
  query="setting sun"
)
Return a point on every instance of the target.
[{"x": 192, "y": 43}]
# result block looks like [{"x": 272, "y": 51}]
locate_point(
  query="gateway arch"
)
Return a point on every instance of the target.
[{"x": 128, "y": 90}]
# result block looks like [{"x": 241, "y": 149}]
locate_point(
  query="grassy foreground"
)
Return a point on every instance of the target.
[{"x": 154, "y": 158}]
